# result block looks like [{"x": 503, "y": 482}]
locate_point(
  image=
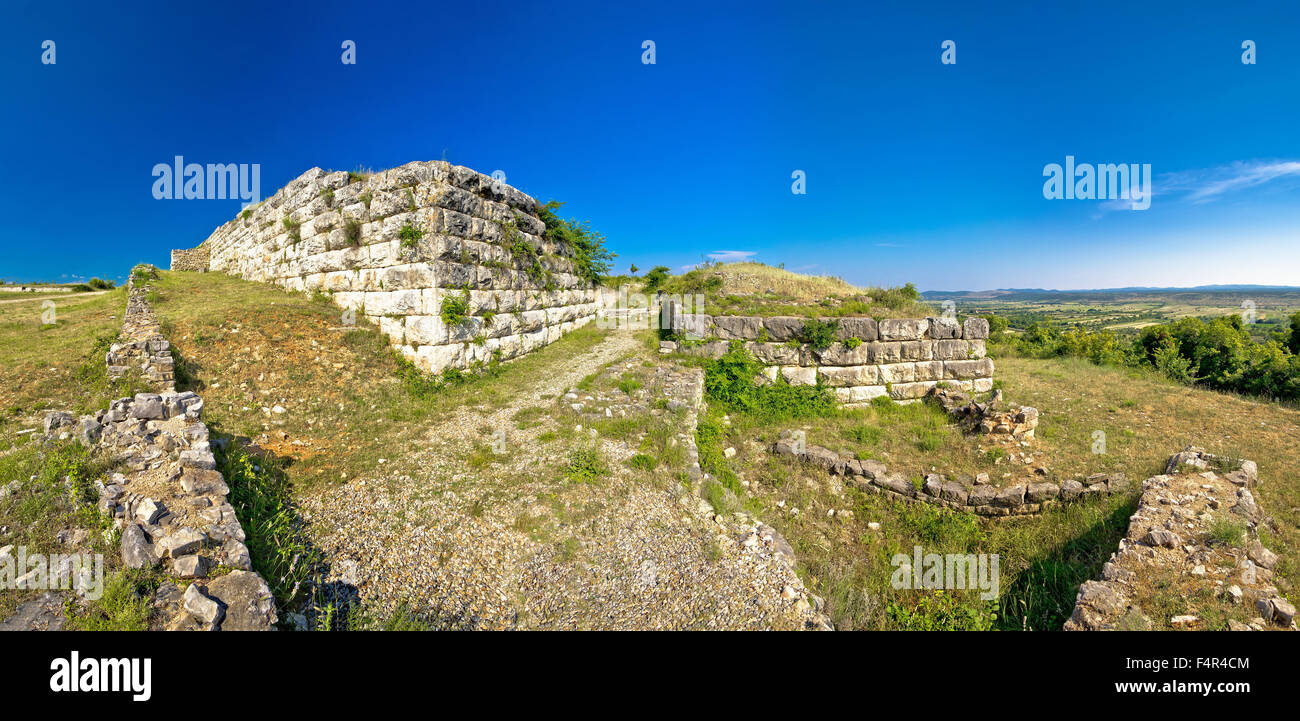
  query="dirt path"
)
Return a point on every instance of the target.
[{"x": 470, "y": 538}]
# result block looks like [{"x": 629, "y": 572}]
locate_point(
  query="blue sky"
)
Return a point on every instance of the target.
[{"x": 916, "y": 171}]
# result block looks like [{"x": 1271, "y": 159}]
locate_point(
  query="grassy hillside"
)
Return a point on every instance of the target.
[{"x": 758, "y": 289}]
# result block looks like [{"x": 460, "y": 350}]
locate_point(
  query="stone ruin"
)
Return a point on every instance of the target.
[
  {"x": 141, "y": 347},
  {"x": 903, "y": 359},
  {"x": 1018, "y": 422},
  {"x": 1170, "y": 533},
  {"x": 399, "y": 245},
  {"x": 171, "y": 504}
]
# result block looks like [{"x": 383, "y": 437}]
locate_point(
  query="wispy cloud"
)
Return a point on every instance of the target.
[
  {"x": 1201, "y": 186},
  {"x": 1205, "y": 185}
]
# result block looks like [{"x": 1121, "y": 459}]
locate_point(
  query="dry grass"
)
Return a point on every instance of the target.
[
  {"x": 60, "y": 365},
  {"x": 758, "y": 289},
  {"x": 761, "y": 279}
]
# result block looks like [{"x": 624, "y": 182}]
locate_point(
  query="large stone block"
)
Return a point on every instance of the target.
[
  {"x": 944, "y": 327},
  {"x": 783, "y": 328},
  {"x": 975, "y": 328},
  {"x": 837, "y": 376},
  {"x": 951, "y": 350},
  {"x": 863, "y": 329},
  {"x": 736, "y": 327},
  {"x": 880, "y": 353},
  {"x": 903, "y": 328}
]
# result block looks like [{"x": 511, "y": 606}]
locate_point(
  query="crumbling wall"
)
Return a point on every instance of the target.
[
  {"x": 901, "y": 358},
  {"x": 1171, "y": 534},
  {"x": 194, "y": 259},
  {"x": 171, "y": 503},
  {"x": 141, "y": 347},
  {"x": 406, "y": 245}
]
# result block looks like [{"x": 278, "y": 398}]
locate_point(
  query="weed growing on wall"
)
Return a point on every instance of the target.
[
  {"x": 819, "y": 334},
  {"x": 591, "y": 258},
  {"x": 410, "y": 235},
  {"x": 455, "y": 308}
]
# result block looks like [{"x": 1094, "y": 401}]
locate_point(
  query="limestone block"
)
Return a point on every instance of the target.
[
  {"x": 895, "y": 373},
  {"x": 917, "y": 350},
  {"x": 844, "y": 376},
  {"x": 975, "y": 328},
  {"x": 424, "y": 330},
  {"x": 774, "y": 353},
  {"x": 908, "y": 391},
  {"x": 951, "y": 350},
  {"x": 783, "y": 328},
  {"x": 736, "y": 327},
  {"x": 929, "y": 370},
  {"x": 897, "y": 329},
  {"x": 944, "y": 327},
  {"x": 863, "y": 329},
  {"x": 883, "y": 352},
  {"x": 799, "y": 376}
]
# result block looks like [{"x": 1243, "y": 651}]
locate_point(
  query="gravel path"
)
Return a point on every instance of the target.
[{"x": 472, "y": 539}]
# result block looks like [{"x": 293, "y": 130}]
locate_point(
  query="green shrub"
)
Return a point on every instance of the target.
[
  {"x": 730, "y": 382},
  {"x": 644, "y": 462},
  {"x": 455, "y": 308},
  {"x": 590, "y": 257},
  {"x": 655, "y": 278},
  {"x": 100, "y": 284},
  {"x": 820, "y": 334},
  {"x": 410, "y": 235},
  {"x": 585, "y": 465},
  {"x": 352, "y": 230}
]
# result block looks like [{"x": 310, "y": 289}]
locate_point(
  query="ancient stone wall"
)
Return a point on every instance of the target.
[
  {"x": 141, "y": 347},
  {"x": 407, "y": 245},
  {"x": 171, "y": 502},
  {"x": 900, "y": 358},
  {"x": 1172, "y": 532},
  {"x": 194, "y": 259},
  {"x": 976, "y": 496}
]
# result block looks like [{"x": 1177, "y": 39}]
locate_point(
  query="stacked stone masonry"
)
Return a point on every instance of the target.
[
  {"x": 1173, "y": 532},
  {"x": 171, "y": 504},
  {"x": 397, "y": 244},
  {"x": 978, "y": 497},
  {"x": 141, "y": 347},
  {"x": 901, "y": 358},
  {"x": 194, "y": 259}
]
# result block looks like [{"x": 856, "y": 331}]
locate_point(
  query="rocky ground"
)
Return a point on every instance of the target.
[{"x": 535, "y": 516}]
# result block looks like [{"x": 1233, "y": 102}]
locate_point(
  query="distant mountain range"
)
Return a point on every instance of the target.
[{"x": 1004, "y": 292}]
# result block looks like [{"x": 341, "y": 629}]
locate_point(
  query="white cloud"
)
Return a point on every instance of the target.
[{"x": 1206, "y": 184}]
